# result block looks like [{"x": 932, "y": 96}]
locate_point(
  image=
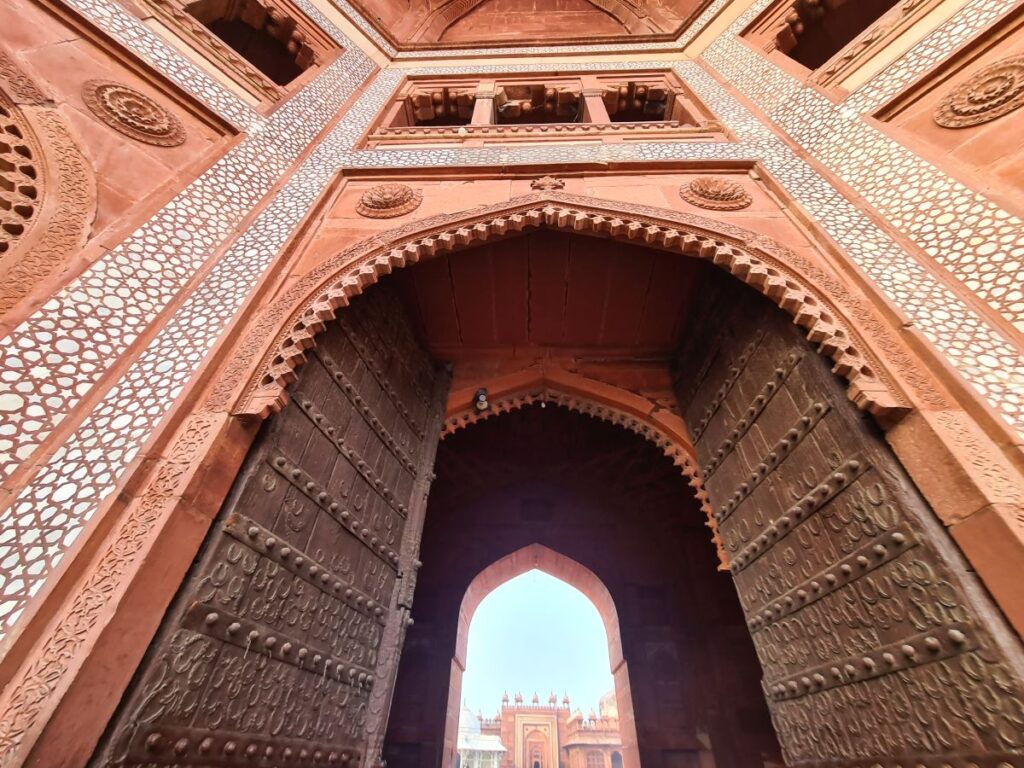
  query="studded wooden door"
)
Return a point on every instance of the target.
[
  {"x": 878, "y": 647},
  {"x": 281, "y": 647}
]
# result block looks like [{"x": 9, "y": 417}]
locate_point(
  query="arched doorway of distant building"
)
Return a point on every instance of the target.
[
  {"x": 813, "y": 511},
  {"x": 561, "y": 724}
]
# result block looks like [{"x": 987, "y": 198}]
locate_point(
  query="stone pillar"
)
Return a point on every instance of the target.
[
  {"x": 684, "y": 110},
  {"x": 594, "y": 109},
  {"x": 483, "y": 108}
]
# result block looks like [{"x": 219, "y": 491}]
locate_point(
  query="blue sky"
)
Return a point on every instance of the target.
[{"x": 536, "y": 633}]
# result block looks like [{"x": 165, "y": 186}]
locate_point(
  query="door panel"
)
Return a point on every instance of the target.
[
  {"x": 274, "y": 651},
  {"x": 876, "y": 642}
]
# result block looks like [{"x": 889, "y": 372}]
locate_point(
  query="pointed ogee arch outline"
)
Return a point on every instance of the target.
[
  {"x": 575, "y": 574},
  {"x": 596, "y": 399},
  {"x": 832, "y": 317}
]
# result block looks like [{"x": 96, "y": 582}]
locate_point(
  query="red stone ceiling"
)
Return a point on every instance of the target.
[
  {"x": 551, "y": 292},
  {"x": 419, "y": 24}
]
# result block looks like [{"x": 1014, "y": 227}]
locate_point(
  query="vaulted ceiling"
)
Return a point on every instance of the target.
[
  {"x": 411, "y": 24},
  {"x": 551, "y": 292}
]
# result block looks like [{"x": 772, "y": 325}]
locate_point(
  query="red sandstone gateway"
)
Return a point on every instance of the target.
[{"x": 323, "y": 320}]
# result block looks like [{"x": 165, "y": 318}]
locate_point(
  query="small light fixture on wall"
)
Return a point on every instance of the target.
[{"x": 480, "y": 401}]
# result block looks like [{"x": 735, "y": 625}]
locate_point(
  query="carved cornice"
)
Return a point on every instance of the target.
[
  {"x": 816, "y": 301},
  {"x": 783, "y": 23},
  {"x": 873, "y": 39},
  {"x": 196, "y": 33},
  {"x": 659, "y": 129}
]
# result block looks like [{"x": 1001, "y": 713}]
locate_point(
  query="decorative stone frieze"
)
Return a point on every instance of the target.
[
  {"x": 132, "y": 113},
  {"x": 715, "y": 194},
  {"x": 989, "y": 93},
  {"x": 387, "y": 201},
  {"x": 668, "y": 129}
]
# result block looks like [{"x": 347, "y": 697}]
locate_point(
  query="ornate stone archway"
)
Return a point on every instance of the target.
[
  {"x": 539, "y": 557},
  {"x": 881, "y": 372},
  {"x": 843, "y": 327},
  {"x": 599, "y": 400}
]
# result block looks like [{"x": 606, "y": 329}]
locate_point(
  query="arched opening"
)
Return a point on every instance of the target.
[
  {"x": 817, "y": 518},
  {"x": 606, "y": 511},
  {"x": 577, "y": 646}
]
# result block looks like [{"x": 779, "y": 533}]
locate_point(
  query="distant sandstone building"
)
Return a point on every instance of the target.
[
  {"x": 321, "y": 319},
  {"x": 537, "y": 735}
]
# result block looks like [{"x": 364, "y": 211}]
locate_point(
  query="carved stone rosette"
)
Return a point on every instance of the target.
[
  {"x": 992, "y": 92},
  {"x": 715, "y": 194},
  {"x": 387, "y": 201},
  {"x": 132, "y": 113},
  {"x": 547, "y": 183}
]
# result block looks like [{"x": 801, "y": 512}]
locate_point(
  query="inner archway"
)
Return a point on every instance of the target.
[
  {"x": 575, "y": 645},
  {"x": 606, "y": 510}
]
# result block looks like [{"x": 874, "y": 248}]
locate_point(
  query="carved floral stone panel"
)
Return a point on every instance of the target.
[
  {"x": 47, "y": 197},
  {"x": 547, "y": 183},
  {"x": 990, "y": 93},
  {"x": 132, "y": 113},
  {"x": 388, "y": 201},
  {"x": 714, "y": 193}
]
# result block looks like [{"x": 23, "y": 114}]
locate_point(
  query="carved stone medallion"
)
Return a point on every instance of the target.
[
  {"x": 386, "y": 201},
  {"x": 715, "y": 194},
  {"x": 992, "y": 92},
  {"x": 547, "y": 183},
  {"x": 132, "y": 113}
]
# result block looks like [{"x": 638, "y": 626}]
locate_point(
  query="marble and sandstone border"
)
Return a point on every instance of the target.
[
  {"x": 146, "y": 272},
  {"x": 55, "y": 358},
  {"x": 127, "y": 30}
]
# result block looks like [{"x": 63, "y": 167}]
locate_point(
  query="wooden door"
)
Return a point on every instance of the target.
[
  {"x": 280, "y": 649},
  {"x": 877, "y": 644}
]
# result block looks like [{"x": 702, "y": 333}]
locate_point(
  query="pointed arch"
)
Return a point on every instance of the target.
[
  {"x": 836, "y": 321},
  {"x": 599, "y": 400},
  {"x": 541, "y": 558},
  {"x": 538, "y": 557}
]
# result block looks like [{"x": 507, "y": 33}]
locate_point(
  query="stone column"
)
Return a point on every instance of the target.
[
  {"x": 483, "y": 108},
  {"x": 594, "y": 109},
  {"x": 684, "y": 110}
]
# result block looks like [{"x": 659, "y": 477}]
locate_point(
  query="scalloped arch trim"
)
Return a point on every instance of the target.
[
  {"x": 601, "y": 401},
  {"x": 806, "y": 293}
]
